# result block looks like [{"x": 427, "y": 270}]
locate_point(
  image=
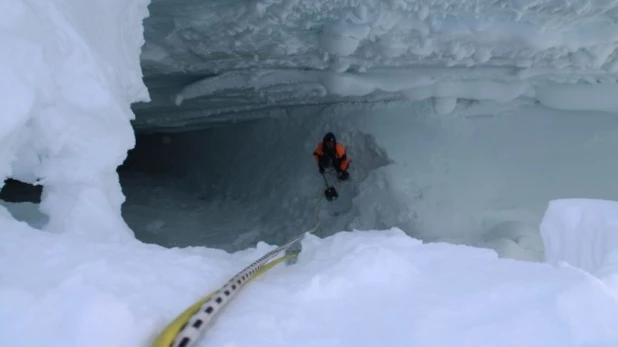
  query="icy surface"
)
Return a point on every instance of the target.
[
  {"x": 583, "y": 233},
  {"x": 354, "y": 288},
  {"x": 247, "y": 55},
  {"x": 67, "y": 79}
]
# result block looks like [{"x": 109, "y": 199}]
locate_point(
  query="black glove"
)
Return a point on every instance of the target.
[
  {"x": 321, "y": 169},
  {"x": 343, "y": 175}
]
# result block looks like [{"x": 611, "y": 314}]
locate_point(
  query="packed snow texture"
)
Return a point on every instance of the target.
[
  {"x": 67, "y": 79},
  {"x": 255, "y": 54},
  {"x": 79, "y": 292}
]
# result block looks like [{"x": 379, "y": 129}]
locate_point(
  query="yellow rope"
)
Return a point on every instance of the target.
[{"x": 171, "y": 331}]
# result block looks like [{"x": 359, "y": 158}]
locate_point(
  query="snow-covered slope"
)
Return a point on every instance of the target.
[
  {"x": 244, "y": 55},
  {"x": 360, "y": 288},
  {"x": 68, "y": 73}
]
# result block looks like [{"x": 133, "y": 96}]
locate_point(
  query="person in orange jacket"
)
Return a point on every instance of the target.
[{"x": 330, "y": 153}]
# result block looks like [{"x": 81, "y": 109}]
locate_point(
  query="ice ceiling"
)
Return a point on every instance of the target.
[{"x": 204, "y": 61}]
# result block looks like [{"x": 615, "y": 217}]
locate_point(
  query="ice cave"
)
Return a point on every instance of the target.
[{"x": 151, "y": 149}]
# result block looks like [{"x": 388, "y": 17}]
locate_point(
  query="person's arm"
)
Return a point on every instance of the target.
[{"x": 344, "y": 162}]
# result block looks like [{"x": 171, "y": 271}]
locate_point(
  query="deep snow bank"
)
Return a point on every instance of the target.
[
  {"x": 351, "y": 289},
  {"x": 68, "y": 73}
]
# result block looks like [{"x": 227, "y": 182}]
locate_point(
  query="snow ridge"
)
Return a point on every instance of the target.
[{"x": 68, "y": 79}]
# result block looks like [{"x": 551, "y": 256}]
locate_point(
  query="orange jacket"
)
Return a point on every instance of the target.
[{"x": 341, "y": 158}]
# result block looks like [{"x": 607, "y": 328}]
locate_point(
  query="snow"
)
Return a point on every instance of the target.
[
  {"x": 597, "y": 97},
  {"x": 342, "y": 38},
  {"x": 66, "y": 88},
  {"x": 583, "y": 233},
  {"x": 248, "y": 55},
  {"x": 444, "y": 86},
  {"x": 453, "y": 231},
  {"x": 101, "y": 294}
]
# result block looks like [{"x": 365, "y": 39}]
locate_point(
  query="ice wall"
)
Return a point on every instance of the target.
[
  {"x": 561, "y": 54},
  {"x": 68, "y": 73}
]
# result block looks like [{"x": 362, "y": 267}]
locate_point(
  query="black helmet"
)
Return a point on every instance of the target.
[
  {"x": 329, "y": 137},
  {"x": 329, "y": 142}
]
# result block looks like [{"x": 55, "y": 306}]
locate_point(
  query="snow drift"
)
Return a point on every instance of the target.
[
  {"x": 67, "y": 78},
  {"x": 357, "y": 288}
]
